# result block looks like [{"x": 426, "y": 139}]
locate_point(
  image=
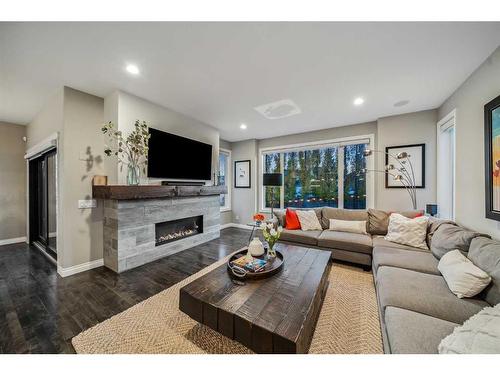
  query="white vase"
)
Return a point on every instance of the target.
[{"x": 256, "y": 248}]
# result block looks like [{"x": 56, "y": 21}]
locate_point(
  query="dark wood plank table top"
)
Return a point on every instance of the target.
[{"x": 273, "y": 315}]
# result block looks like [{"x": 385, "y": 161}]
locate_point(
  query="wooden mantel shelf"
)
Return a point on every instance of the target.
[{"x": 125, "y": 192}]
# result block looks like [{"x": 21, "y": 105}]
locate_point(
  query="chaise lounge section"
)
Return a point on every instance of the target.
[{"x": 416, "y": 307}]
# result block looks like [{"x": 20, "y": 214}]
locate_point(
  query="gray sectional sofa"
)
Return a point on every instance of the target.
[{"x": 417, "y": 309}]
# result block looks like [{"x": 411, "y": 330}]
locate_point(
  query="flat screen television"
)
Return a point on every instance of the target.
[{"x": 173, "y": 157}]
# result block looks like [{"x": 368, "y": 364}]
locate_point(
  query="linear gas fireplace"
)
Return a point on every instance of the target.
[{"x": 174, "y": 230}]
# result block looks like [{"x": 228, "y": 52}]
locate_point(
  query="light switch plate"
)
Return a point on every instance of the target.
[{"x": 87, "y": 203}]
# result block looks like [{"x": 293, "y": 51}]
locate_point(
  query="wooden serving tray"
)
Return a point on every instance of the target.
[{"x": 271, "y": 268}]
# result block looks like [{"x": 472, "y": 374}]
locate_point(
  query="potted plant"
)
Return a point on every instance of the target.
[{"x": 131, "y": 150}]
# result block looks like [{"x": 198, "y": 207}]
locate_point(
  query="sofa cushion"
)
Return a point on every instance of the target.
[
  {"x": 485, "y": 253},
  {"x": 433, "y": 224},
  {"x": 411, "y": 232},
  {"x": 280, "y": 216},
  {"x": 378, "y": 220},
  {"x": 308, "y": 220},
  {"x": 379, "y": 241},
  {"x": 309, "y": 237},
  {"x": 360, "y": 243},
  {"x": 451, "y": 237},
  {"x": 410, "y": 332},
  {"x": 292, "y": 220},
  {"x": 424, "y": 293},
  {"x": 463, "y": 277},
  {"x": 412, "y": 260},
  {"x": 328, "y": 213}
]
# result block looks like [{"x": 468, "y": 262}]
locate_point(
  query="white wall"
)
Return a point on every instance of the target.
[
  {"x": 243, "y": 199},
  {"x": 410, "y": 128},
  {"x": 124, "y": 109},
  {"x": 469, "y": 100},
  {"x": 226, "y": 217}
]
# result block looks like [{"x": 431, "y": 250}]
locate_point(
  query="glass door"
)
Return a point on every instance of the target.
[{"x": 43, "y": 222}]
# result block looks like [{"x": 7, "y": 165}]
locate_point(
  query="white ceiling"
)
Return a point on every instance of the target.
[{"x": 218, "y": 72}]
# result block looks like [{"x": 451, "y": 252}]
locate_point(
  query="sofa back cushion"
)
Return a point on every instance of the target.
[
  {"x": 450, "y": 237},
  {"x": 378, "y": 220},
  {"x": 485, "y": 253},
  {"x": 433, "y": 225},
  {"x": 341, "y": 214}
]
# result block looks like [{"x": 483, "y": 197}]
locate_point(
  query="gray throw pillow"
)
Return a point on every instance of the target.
[{"x": 450, "y": 237}]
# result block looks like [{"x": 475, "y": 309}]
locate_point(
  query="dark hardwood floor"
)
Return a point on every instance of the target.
[{"x": 40, "y": 311}]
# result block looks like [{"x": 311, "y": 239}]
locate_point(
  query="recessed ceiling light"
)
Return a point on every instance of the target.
[
  {"x": 359, "y": 101},
  {"x": 243, "y": 126},
  {"x": 132, "y": 69}
]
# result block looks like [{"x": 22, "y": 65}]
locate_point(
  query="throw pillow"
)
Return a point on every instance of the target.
[
  {"x": 308, "y": 220},
  {"x": 291, "y": 220},
  {"x": 350, "y": 226},
  {"x": 450, "y": 237},
  {"x": 407, "y": 231},
  {"x": 463, "y": 278},
  {"x": 378, "y": 220},
  {"x": 480, "y": 334}
]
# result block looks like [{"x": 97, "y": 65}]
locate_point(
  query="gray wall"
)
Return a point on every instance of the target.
[
  {"x": 124, "y": 109},
  {"x": 226, "y": 217},
  {"x": 410, "y": 128},
  {"x": 469, "y": 100},
  {"x": 12, "y": 181},
  {"x": 83, "y": 158}
]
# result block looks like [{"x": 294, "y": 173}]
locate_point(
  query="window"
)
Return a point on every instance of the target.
[
  {"x": 224, "y": 178},
  {"x": 314, "y": 175},
  {"x": 446, "y": 167}
]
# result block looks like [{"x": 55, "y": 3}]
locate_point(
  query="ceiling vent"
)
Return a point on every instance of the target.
[{"x": 280, "y": 109}]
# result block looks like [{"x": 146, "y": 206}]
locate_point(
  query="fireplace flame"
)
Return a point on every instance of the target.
[{"x": 176, "y": 235}]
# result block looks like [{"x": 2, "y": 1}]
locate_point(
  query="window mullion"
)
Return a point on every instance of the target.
[
  {"x": 340, "y": 180},
  {"x": 282, "y": 187}
]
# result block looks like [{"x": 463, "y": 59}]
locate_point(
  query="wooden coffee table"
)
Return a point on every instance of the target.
[{"x": 273, "y": 315}]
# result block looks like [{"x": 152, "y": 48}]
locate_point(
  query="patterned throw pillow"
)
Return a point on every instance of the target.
[
  {"x": 308, "y": 220},
  {"x": 411, "y": 232}
]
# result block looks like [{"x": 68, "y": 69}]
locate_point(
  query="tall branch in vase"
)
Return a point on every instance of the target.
[
  {"x": 131, "y": 151},
  {"x": 401, "y": 170}
]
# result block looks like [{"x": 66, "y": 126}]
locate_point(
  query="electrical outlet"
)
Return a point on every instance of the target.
[{"x": 87, "y": 203}]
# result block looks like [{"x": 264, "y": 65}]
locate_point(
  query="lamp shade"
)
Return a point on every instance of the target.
[{"x": 272, "y": 179}]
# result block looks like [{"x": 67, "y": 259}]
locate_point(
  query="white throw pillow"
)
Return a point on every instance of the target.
[
  {"x": 350, "y": 226},
  {"x": 411, "y": 232},
  {"x": 478, "y": 335},
  {"x": 308, "y": 220},
  {"x": 463, "y": 277}
]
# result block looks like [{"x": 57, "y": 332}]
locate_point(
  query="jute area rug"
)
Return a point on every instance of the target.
[{"x": 348, "y": 323}]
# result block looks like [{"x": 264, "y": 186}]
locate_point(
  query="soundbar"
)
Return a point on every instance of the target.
[{"x": 182, "y": 183}]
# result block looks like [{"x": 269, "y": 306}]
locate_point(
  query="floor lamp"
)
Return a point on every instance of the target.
[{"x": 272, "y": 180}]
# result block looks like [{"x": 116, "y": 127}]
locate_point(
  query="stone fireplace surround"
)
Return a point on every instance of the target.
[{"x": 132, "y": 215}]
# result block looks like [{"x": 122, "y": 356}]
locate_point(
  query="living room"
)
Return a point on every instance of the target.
[{"x": 250, "y": 188}]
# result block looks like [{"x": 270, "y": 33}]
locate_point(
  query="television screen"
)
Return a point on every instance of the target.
[{"x": 175, "y": 157}]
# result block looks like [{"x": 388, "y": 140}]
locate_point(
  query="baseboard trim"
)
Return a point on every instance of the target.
[
  {"x": 9, "y": 241},
  {"x": 64, "y": 272}
]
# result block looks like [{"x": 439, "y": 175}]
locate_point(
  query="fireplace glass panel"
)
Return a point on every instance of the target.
[{"x": 174, "y": 230}]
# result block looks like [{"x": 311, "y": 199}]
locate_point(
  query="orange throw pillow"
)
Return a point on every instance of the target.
[{"x": 291, "y": 220}]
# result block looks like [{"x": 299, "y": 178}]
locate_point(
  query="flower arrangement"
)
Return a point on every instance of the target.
[
  {"x": 259, "y": 218},
  {"x": 271, "y": 235},
  {"x": 131, "y": 150}
]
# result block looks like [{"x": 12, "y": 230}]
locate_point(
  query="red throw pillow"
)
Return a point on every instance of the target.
[{"x": 291, "y": 220}]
